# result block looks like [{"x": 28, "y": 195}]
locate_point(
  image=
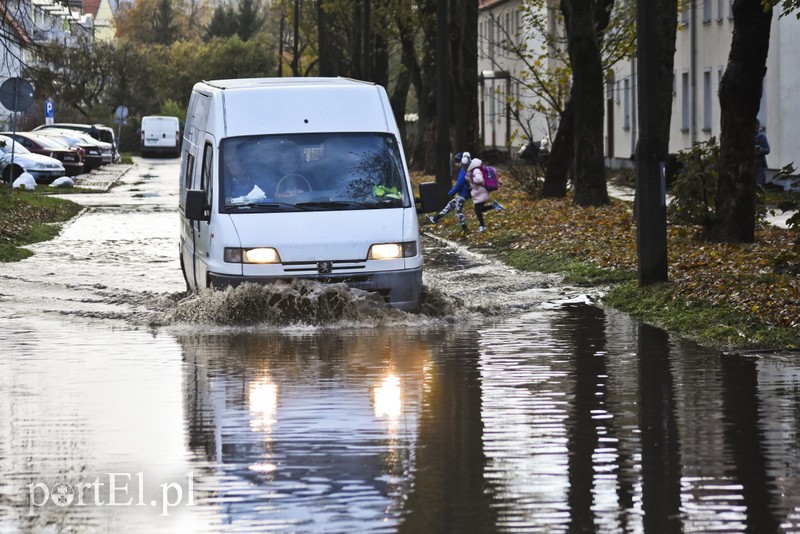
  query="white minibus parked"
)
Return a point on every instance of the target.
[
  {"x": 285, "y": 178},
  {"x": 160, "y": 134}
]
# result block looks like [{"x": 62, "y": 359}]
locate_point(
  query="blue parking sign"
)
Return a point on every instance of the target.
[{"x": 49, "y": 110}]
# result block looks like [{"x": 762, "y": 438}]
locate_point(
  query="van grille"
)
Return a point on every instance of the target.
[{"x": 313, "y": 267}]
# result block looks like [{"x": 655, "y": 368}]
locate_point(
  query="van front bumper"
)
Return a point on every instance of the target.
[{"x": 399, "y": 289}]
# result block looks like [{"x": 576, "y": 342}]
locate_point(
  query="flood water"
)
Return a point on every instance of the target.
[{"x": 513, "y": 406}]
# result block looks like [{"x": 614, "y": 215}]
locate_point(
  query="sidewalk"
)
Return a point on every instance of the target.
[
  {"x": 625, "y": 193},
  {"x": 104, "y": 177}
]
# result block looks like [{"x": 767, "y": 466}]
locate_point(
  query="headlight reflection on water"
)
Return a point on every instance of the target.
[
  {"x": 386, "y": 397},
  {"x": 263, "y": 402}
]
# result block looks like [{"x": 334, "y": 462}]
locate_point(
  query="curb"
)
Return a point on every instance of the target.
[{"x": 104, "y": 178}]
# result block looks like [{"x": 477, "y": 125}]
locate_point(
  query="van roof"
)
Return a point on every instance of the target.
[
  {"x": 262, "y": 106},
  {"x": 251, "y": 83}
]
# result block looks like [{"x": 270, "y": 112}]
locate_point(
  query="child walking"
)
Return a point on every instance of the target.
[
  {"x": 480, "y": 195},
  {"x": 460, "y": 193}
]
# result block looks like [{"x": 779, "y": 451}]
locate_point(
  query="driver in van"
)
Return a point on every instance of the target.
[{"x": 239, "y": 177}]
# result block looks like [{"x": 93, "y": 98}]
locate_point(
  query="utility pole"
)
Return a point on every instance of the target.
[{"x": 651, "y": 213}]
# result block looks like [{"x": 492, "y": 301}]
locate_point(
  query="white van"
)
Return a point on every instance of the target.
[
  {"x": 286, "y": 178},
  {"x": 160, "y": 135}
]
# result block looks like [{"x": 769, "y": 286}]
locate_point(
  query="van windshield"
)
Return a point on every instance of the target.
[{"x": 312, "y": 172}]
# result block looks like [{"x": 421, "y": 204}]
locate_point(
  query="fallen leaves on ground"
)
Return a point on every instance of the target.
[{"x": 742, "y": 276}]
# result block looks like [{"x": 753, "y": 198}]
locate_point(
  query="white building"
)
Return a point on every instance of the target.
[
  {"x": 501, "y": 91},
  {"x": 25, "y": 23},
  {"x": 703, "y": 42},
  {"x": 702, "y": 46}
]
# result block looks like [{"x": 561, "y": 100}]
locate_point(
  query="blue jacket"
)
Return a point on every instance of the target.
[{"x": 461, "y": 187}]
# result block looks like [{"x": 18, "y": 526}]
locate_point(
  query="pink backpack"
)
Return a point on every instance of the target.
[{"x": 490, "y": 181}]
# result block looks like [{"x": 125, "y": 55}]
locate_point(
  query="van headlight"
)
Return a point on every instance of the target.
[
  {"x": 390, "y": 251},
  {"x": 251, "y": 255}
]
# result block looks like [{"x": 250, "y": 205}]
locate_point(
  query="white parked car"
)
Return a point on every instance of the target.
[{"x": 44, "y": 169}]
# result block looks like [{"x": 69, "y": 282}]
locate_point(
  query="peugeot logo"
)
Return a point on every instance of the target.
[{"x": 324, "y": 267}]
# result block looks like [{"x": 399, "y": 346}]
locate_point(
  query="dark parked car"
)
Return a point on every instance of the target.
[
  {"x": 93, "y": 155},
  {"x": 71, "y": 158},
  {"x": 100, "y": 132}
]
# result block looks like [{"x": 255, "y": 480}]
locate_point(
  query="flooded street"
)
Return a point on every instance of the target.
[{"x": 129, "y": 406}]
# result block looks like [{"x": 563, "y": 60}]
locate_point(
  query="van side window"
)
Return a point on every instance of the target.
[
  {"x": 189, "y": 171},
  {"x": 206, "y": 178}
]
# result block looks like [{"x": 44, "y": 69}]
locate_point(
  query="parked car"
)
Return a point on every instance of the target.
[
  {"x": 93, "y": 154},
  {"x": 105, "y": 148},
  {"x": 71, "y": 158},
  {"x": 44, "y": 169},
  {"x": 100, "y": 132}
]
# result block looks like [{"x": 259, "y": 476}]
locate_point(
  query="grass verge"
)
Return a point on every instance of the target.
[{"x": 29, "y": 217}]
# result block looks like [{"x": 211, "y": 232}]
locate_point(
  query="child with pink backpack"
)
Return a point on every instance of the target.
[{"x": 481, "y": 181}]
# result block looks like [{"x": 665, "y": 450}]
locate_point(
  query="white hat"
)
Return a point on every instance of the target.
[{"x": 465, "y": 158}]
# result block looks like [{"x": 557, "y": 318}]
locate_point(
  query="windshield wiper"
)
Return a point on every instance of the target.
[
  {"x": 267, "y": 206},
  {"x": 334, "y": 204}
]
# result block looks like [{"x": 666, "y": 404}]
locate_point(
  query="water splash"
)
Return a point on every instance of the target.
[{"x": 299, "y": 302}]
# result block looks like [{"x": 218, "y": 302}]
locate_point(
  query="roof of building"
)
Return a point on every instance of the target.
[
  {"x": 6, "y": 17},
  {"x": 90, "y": 7},
  {"x": 488, "y": 4}
]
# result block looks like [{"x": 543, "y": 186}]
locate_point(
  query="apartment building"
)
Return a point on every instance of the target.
[
  {"x": 705, "y": 29},
  {"x": 505, "y": 103},
  {"x": 702, "y": 45},
  {"x": 25, "y": 23}
]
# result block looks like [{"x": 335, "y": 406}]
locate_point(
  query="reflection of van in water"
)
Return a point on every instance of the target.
[
  {"x": 286, "y": 178},
  {"x": 160, "y": 135}
]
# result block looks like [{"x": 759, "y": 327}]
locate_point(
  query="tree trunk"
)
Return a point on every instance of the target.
[
  {"x": 559, "y": 163},
  {"x": 443, "y": 92},
  {"x": 588, "y": 166},
  {"x": 666, "y": 31},
  {"x": 325, "y": 54},
  {"x": 740, "y": 96},
  {"x": 424, "y": 153},
  {"x": 464, "y": 53}
]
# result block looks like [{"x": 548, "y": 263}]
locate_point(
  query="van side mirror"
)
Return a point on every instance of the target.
[
  {"x": 196, "y": 208},
  {"x": 428, "y": 197}
]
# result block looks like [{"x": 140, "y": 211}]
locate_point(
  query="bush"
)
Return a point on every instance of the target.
[
  {"x": 527, "y": 177},
  {"x": 695, "y": 186}
]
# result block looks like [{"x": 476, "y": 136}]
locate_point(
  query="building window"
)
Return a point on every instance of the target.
[
  {"x": 720, "y": 73},
  {"x": 492, "y": 97},
  {"x": 626, "y": 104},
  {"x": 707, "y": 100},
  {"x": 762, "y": 108},
  {"x": 490, "y": 37},
  {"x": 684, "y": 10},
  {"x": 685, "y": 102},
  {"x": 730, "y": 9},
  {"x": 720, "y": 10},
  {"x": 706, "y": 11}
]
